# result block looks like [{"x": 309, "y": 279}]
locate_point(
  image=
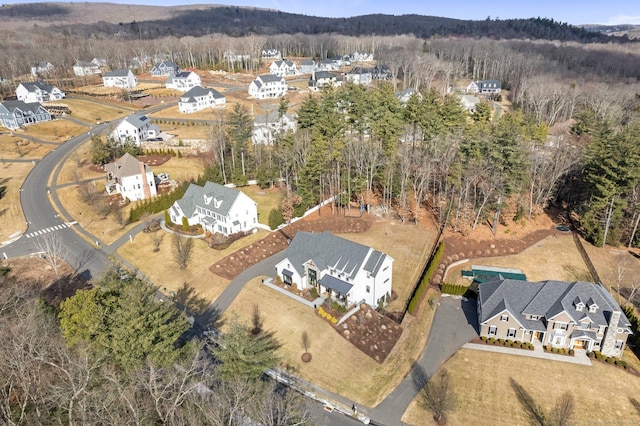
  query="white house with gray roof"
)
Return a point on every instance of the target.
[
  {"x": 38, "y": 92},
  {"x": 266, "y": 127},
  {"x": 135, "y": 128},
  {"x": 183, "y": 81},
  {"x": 346, "y": 271},
  {"x": 484, "y": 87},
  {"x": 131, "y": 178},
  {"x": 122, "y": 78},
  {"x": 15, "y": 114},
  {"x": 268, "y": 86},
  {"x": 165, "y": 69},
  {"x": 199, "y": 98},
  {"x": 84, "y": 68},
  {"x": 573, "y": 315},
  {"x": 217, "y": 208},
  {"x": 283, "y": 68}
]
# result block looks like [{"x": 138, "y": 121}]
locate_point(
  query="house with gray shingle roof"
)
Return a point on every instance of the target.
[
  {"x": 84, "y": 68},
  {"x": 266, "y": 127},
  {"x": 135, "y": 128},
  {"x": 183, "y": 81},
  {"x": 217, "y": 208},
  {"x": 41, "y": 68},
  {"x": 200, "y": 98},
  {"x": 38, "y": 92},
  {"x": 165, "y": 69},
  {"x": 283, "y": 68},
  {"x": 131, "y": 178},
  {"x": 485, "y": 87},
  {"x": 15, "y": 114},
  {"x": 573, "y": 315},
  {"x": 322, "y": 79},
  {"x": 122, "y": 78},
  {"x": 307, "y": 66},
  {"x": 268, "y": 86},
  {"x": 346, "y": 271}
]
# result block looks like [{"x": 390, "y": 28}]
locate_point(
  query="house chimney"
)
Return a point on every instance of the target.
[
  {"x": 145, "y": 183},
  {"x": 609, "y": 342}
]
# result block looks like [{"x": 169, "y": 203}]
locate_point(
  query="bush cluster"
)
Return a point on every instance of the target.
[
  {"x": 599, "y": 356},
  {"x": 169, "y": 152},
  {"x": 506, "y": 343},
  {"x": 414, "y": 302},
  {"x": 456, "y": 290},
  {"x": 157, "y": 204},
  {"x": 327, "y": 316}
]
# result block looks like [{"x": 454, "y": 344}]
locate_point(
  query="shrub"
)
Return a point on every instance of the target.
[
  {"x": 621, "y": 363},
  {"x": 483, "y": 338},
  {"x": 572, "y": 352},
  {"x": 185, "y": 223},
  {"x": 456, "y": 290},
  {"x": 508, "y": 343},
  {"x": 591, "y": 355},
  {"x": 491, "y": 340},
  {"x": 294, "y": 287},
  {"x": 276, "y": 218},
  {"x": 314, "y": 292}
]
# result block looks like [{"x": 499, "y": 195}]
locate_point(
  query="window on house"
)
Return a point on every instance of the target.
[
  {"x": 286, "y": 279},
  {"x": 504, "y": 318},
  {"x": 493, "y": 330},
  {"x": 511, "y": 332},
  {"x": 560, "y": 326},
  {"x": 368, "y": 289},
  {"x": 535, "y": 317},
  {"x": 386, "y": 281},
  {"x": 619, "y": 344},
  {"x": 593, "y": 308}
]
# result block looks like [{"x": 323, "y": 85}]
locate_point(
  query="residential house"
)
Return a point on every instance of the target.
[
  {"x": 122, "y": 78},
  {"x": 469, "y": 102},
  {"x": 217, "y": 208},
  {"x": 101, "y": 62},
  {"x": 404, "y": 95},
  {"x": 232, "y": 56},
  {"x": 573, "y": 315},
  {"x": 327, "y": 65},
  {"x": 360, "y": 75},
  {"x": 381, "y": 72},
  {"x": 199, "y": 98},
  {"x": 268, "y": 86},
  {"x": 271, "y": 54},
  {"x": 266, "y": 127},
  {"x": 338, "y": 60},
  {"x": 15, "y": 114},
  {"x": 485, "y": 87},
  {"x": 41, "y": 68},
  {"x": 283, "y": 68},
  {"x": 183, "y": 81},
  {"x": 135, "y": 128},
  {"x": 307, "y": 66},
  {"x": 361, "y": 56},
  {"x": 83, "y": 68},
  {"x": 346, "y": 271},
  {"x": 38, "y": 92},
  {"x": 165, "y": 69},
  {"x": 321, "y": 79},
  {"x": 130, "y": 178}
]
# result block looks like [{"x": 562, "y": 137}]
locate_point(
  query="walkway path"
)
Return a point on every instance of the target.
[{"x": 580, "y": 356}]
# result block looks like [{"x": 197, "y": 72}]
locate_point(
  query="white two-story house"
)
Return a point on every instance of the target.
[
  {"x": 200, "y": 98},
  {"x": 165, "y": 69},
  {"x": 83, "y": 68},
  {"x": 122, "y": 78},
  {"x": 130, "y": 178},
  {"x": 346, "y": 271},
  {"x": 183, "y": 81},
  {"x": 283, "y": 68},
  {"x": 15, "y": 114},
  {"x": 217, "y": 208},
  {"x": 268, "y": 86},
  {"x": 38, "y": 92},
  {"x": 135, "y": 128},
  {"x": 266, "y": 127}
]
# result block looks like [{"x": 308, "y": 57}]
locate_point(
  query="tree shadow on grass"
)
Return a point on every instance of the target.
[
  {"x": 187, "y": 297},
  {"x": 577, "y": 273}
]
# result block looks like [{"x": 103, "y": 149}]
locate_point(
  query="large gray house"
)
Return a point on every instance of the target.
[
  {"x": 15, "y": 114},
  {"x": 574, "y": 315}
]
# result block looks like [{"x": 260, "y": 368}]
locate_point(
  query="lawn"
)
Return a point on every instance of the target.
[
  {"x": 484, "y": 396},
  {"x": 553, "y": 258},
  {"x": 12, "y": 175},
  {"x": 181, "y": 169},
  {"x": 267, "y": 200},
  {"x": 77, "y": 167},
  {"x": 15, "y": 147},
  {"x": 205, "y": 114},
  {"x": 409, "y": 245},
  {"x": 59, "y": 130},
  {"x": 337, "y": 365},
  {"x": 161, "y": 269},
  {"x": 186, "y": 131},
  {"x": 93, "y": 112}
]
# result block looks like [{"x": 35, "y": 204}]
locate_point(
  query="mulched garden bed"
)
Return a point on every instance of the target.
[{"x": 371, "y": 332}]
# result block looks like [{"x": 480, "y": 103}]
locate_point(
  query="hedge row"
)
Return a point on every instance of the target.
[
  {"x": 598, "y": 356},
  {"x": 507, "y": 343},
  {"x": 157, "y": 204},
  {"x": 456, "y": 290},
  {"x": 426, "y": 278}
]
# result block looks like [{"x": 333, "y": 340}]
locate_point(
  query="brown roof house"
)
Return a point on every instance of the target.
[
  {"x": 574, "y": 315},
  {"x": 131, "y": 178}
]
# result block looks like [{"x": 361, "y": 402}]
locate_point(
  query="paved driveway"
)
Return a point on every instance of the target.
[{"x": 454, "y": 324}]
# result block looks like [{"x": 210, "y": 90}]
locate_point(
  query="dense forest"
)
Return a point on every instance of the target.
[{"x": 113, "y": 355}]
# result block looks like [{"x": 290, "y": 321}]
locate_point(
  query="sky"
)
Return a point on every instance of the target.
[{"x": 576, "y": 12}]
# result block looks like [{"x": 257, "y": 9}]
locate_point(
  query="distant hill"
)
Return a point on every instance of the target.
[
  {"x": 150, "y": 22},
  {"x": 631, "y": 31}
]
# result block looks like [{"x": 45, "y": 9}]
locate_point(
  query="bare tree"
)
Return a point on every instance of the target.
[
  {"x": 119, "y": 216},
  {"x": 53, "y": 250},
  {"x": 437, "y": 396},
  {"x": 156, "y": 240},
  {"x": 182, "y": 248}
]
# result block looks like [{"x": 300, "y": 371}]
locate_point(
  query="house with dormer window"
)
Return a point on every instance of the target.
[
  {"x": 165, "y": 69},
  {"x": 15, "y": 114},
  {"x": 130, "y": 178},
  {"x": 38, "y": 92},
  {"x": 122, "y": 78},
  {"x": 572, "y": 315},
  {"x": 216, "y": 208},
  {"x": 345, "y": 271},
  {"x": 183, "y": 81},
  {"x": 283, "y": 68},
  {"x": 135, "y": 128},
  {"x": 485, "y": 87},
  {"x": 199, "y": 98}
]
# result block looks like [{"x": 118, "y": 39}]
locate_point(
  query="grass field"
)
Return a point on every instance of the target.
[
  {"x": 161, "y": 269},
  {"x": 77, "y": 166},
  {"x": 181, "y": 169},
  {"x": 186, "y": 131},
  {"x": 337, "y": 365},
  {"x": 93, "y": 112},
  {"x": 267, "y": 199},
  {"x": 485, "y": 397},
  {"x": 59, "y": 130},
  {"x": 15, "y": 147},
  {"x": 205, "y": 114},
  {"x": 553, "y": 258},
  {"x": 12, "y": 175},
  {"x": 409, "y": 246}
]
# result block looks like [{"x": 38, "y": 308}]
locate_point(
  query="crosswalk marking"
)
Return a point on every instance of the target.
[{"x": 51, "y": 229}]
